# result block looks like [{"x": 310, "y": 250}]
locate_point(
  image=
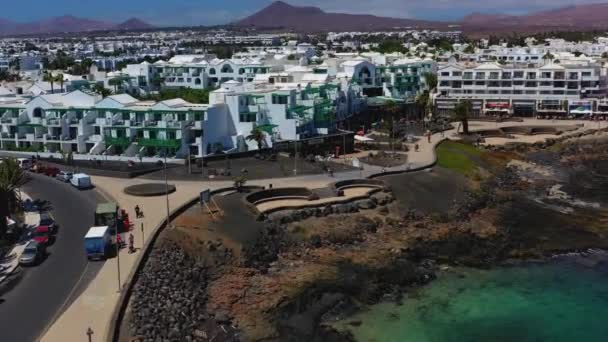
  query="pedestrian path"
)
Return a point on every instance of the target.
[{"x": 95, "y": 307}]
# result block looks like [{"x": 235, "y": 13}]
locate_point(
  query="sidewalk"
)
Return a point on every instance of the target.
[
  {"x": 95, "y": 306},
  {"x": 10, "y": 262}
]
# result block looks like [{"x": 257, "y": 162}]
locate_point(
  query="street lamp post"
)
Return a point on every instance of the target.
[
  {"x": 167, "y": 192},
  {"x": 143, "y": 239},
  {"x": 117, "y": 254},
  {"x": 295, "y": 158},
  {"x": 90, "y": 334}
]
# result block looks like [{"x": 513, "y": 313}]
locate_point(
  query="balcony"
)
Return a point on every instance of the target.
[
  {"x": 9, "y": 121},
  {"x": 118, "y": 141},
  {"x": 160, "y": 143}
]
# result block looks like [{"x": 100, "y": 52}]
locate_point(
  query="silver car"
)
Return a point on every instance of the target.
[
  {"x": 32, "y": 254},
  {"x": 64, "y": 176}
]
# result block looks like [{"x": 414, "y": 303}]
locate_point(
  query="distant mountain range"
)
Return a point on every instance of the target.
[
  {"x": 280, "y": 15},
  {"x": 67, "y": 23},
  {"x": 283, "y": 16}
]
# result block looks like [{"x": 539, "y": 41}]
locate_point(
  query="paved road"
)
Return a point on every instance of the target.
[{"x": 40, "y": 293}]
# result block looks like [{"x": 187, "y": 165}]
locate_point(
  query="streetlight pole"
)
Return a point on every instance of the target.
[
  {"x": 295, "y": 158},
  {"x": 167, "y": 192},
  {"x": 90, "y": 334},
  {"x": 117, "y": 254}
]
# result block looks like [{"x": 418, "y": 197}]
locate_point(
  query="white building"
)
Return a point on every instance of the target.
[{"x": 520, "y": 89}]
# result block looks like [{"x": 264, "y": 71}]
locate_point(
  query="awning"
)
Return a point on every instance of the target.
[
  {"x": 363, "y": 138},
  {"x": 267, "y": 128}
]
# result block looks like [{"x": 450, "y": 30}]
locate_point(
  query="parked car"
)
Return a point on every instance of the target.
[
  {"x": 64, "y": 176},
  {"x": 50, "y": 171},
  {"x": 81, "y": 181},
  {"x": 33, "y": 253},
  {"x": 29, "y": 205},
  {"x": 25, "y": 163},
  {"x": 47, "y": 220},
  {"x": 42, "y": 235}
]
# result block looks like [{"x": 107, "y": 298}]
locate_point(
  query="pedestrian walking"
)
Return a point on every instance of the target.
[
  {"x": 131, "y": 243},
  {"x": 416, "y": 147}
]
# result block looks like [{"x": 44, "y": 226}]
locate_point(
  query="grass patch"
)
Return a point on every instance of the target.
[{"x": 458, "y": 157}]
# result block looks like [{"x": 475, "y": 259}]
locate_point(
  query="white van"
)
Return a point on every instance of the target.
[
  {"x": 81, "y": 181},
  {"x": 25, "y": 163}
]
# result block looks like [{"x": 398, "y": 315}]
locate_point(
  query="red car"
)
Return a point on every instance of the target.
[
  {"x": 42, "y": 235},
  {"x": 51, "y": 171}
]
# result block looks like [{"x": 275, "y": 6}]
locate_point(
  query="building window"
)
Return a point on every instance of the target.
[
  {"x": 241, "y": 71},
  {"x": 227, "y": 69},
  {"x": 37, "y": 112},
  {"x": 212, "y": 71},
  {"x": 456, "y": 73},
  {"x": 445, "y": 73},
  {"x": 279, "y": 99}
]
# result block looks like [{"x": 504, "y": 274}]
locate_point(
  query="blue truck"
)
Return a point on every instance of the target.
[{"x": 98, "y": 242}]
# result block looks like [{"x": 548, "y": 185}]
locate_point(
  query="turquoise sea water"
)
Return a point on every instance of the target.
[{"x": 562, "y": 301}]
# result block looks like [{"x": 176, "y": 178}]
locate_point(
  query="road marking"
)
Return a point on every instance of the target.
[{"x": 62, "y": 307}]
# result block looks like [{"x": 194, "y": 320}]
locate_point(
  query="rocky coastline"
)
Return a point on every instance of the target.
[{"x": 308, "y": 268}]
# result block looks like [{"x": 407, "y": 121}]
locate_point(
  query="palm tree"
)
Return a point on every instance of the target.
[
  {"x": 258, "y": 136},
  {"x": 431, "y": 80},
  {"x": 48, "y": 77},
  {"x": 59, "y": 78},
  {"x": 12, "y": 178},
  {"x": 462, "y": 112},
  {"x": 548, "y": 56},
  {"x": 423, "y": 101},
  {"x": 115, "y": 82},
  {"x": 391, "y": 108}
]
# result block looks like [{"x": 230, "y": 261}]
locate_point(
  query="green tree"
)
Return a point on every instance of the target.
[
  {"x": 48, "y": 77},
  {"x": 423, "y": 102},
  {"x": 391, "y": 109},
  {"x": 548, "y": 56},
  {"x": 258, "y": 136},
  {"x": 469, "y": 49},
  {"x": 12, "y": 178},
  {"x": 115, "y": 82},
  {"x": 462, "y": 113},
  {"x": 59, "y": 78},
  {"x": 101, "y": 90},
  {"x": 431, "y": 80},
  {"x": 239, "y": 183},
  {"x": 390, "y": 46}
]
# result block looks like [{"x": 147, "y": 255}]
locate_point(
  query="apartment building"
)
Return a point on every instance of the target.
[
  {"x": 405, "y": 78},
  {"x": 195, "y": 71},
  {"x": 283, "y": 110},
  {"x": 84, "y": 123},
  {"x": 521, "y": 89}
]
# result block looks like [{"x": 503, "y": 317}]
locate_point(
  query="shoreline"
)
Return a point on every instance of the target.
[{"x": 300, "y": 275}]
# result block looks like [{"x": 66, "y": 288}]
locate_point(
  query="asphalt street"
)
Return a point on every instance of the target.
[{"x": 40, "y": 293}]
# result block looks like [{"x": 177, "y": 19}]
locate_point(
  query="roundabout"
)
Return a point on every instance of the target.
[{"x": 149, "y": 189}]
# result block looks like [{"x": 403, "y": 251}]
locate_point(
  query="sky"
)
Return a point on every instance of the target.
[{"x": 212, "y": 12}]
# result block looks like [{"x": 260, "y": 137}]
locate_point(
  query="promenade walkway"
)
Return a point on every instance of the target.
[{"x": 95, "y": 306}]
